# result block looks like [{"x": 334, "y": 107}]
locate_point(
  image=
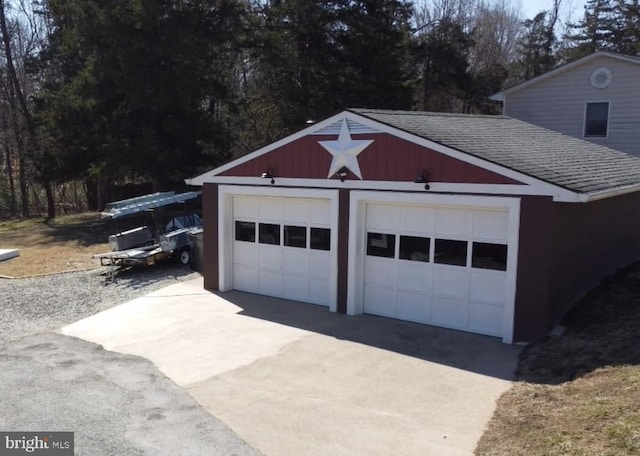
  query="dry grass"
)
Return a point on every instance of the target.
[
  {"x": 63, "y": 244},
  {"x": 578, "y": 395}
]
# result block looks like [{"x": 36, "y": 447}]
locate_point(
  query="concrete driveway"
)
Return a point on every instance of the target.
[{"x": 292, "y": 378}]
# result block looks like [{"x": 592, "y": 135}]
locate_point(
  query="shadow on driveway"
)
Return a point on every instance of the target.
[{"x": 471, "y": 352}]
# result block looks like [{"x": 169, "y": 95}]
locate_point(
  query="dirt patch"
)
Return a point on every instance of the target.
[
  {"x": 580, "y": 394},
  {"x": 66, "y": 243}
]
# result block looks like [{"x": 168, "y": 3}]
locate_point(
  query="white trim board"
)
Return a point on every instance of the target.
[
  {"x": 225, "y": 228},
  {"x": 435, "y": 187},
  {"x": 357, "y": 224}
]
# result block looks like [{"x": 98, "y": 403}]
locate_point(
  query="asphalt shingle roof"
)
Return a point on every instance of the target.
[{"x": 568, "y": 162}]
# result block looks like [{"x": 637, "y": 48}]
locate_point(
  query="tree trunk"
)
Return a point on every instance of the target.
[
  {"x": 12, "y": 185},
  {"x": 13, "y": 76}
]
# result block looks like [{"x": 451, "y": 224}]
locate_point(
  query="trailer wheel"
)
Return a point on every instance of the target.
[{"x": 185, "y": 257}]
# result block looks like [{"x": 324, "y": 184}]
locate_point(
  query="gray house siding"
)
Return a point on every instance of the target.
[{"x": 559, "y": 103}]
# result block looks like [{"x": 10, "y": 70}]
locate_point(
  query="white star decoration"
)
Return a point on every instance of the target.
[{"x": 345, "y": 151}]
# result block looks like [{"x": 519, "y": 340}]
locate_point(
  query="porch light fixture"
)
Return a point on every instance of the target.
[
  {"x": 268, "y": 174},
  {"x": 342, "y": 173},
  {"x": 422, "y": 179}
]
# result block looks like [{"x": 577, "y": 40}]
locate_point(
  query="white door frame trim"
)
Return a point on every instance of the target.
[
  {"x": 226, "y": 194},
  {"x": 357, "y": 223}
]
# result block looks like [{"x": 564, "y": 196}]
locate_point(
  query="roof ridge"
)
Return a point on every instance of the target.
[{"x": 428, "y": 113}]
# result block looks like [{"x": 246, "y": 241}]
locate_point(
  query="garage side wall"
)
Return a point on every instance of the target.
[
  {"x": 534, "y": 259},
  {"x": 591, "y": 241},
  {"x": 210, "y": 236}
]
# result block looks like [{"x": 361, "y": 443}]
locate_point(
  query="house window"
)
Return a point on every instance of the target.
[{"x": 596, "y": 120}]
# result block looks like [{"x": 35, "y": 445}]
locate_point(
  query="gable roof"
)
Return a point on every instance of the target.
[
  {"x": 500, "y": 96},
  {"x": 571, "y": 163},
  {"x": 569, "y": 169}
]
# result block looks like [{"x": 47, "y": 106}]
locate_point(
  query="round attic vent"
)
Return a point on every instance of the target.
[{"x": 601, "y": 77}]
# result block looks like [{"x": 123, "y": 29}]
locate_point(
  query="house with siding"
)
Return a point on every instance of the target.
[{"x": 596, "y": 98}]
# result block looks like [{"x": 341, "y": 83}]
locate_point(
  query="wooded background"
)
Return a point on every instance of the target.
[{"x": 100, "y": 94}]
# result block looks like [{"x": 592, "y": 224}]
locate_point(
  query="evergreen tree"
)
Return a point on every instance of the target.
[
  {"x": 595, "y": 32},
  {"x": 536, "y": 48}
]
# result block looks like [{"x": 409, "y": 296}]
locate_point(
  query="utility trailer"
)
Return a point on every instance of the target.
[{"x": 147, "y": 245}]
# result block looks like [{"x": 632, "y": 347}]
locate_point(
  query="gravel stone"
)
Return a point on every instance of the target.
[{"x": 39, "y": 304}]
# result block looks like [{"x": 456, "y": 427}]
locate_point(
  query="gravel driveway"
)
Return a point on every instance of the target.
[
  {"x": 34, "y": 305},
  {"x": 115, "y": 404}
]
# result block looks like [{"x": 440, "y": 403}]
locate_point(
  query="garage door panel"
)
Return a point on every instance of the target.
[
  {"x": 451, "y": 281},
  {"x": 284, "y": 264},
  {"x": 319, "y": 213},
  {"x": 320, "y": 264},
  {"x": 380, "y": 272},
  {"x": 319, "y": 291},
  {"x": 245, "y": 277},
  {"x": 414, "y": 307},
  {"x": 459, "y": 283},
  {"x": 414, "y": 276},
  {"x": 491, "y": 225},
  {"x": 451, "y": 313},
  {"x": 417, "y": 219},
  {"x": 270, "y": 257},
  {"x": 297, "y": 211},
  {"x": 295, "y": 261},
  {"x": 245, "y": 253},
  {"x": 453, "y": 222},
  {"x": 296, "y": 287},
  {"x": 380, "y": 301},
  {"x": 271, "y": 209},
  {"x": 245, "y": 208},
  {"x": 485, "y": 318},
  {"x": 270, "y": 282},
  {"x": 381, "y": 217},
  {"x": 488, "y": 287}
]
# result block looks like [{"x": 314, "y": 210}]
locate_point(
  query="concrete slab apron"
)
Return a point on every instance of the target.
[{"x": 290, "y": 391}]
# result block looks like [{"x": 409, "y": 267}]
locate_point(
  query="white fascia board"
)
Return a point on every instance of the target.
[
  {"x": 587, "y": 197},
  {"x": 435, "y": 187}
]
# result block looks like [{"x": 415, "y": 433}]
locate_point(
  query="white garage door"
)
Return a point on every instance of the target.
[
  {"x": 443, "y": 266},
  {"x": 282, "y": 247}
]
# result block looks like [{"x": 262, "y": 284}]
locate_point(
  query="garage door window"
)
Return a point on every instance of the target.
[
  {"x": 381, "y": 245},
  {"x": 295, "y": 236},
  {"x": 245, "y": 231},
  {"x": 414, "y": 248},
  {"x": 320, "y": 239},
  {"x": 449, "y": 251},
  {"x": 269, "y": 234},
  {"x": 489, "y": 256}
]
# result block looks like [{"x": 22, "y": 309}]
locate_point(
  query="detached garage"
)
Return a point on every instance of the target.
[{"x": 477, "y": 223}]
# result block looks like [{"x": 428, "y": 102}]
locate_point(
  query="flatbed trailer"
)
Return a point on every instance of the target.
[{"x": 124, "y": 259}]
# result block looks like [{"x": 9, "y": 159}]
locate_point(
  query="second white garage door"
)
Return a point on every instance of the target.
[
  {"x": 444, "y": 266},
  {"x": 282, "y": 247}
]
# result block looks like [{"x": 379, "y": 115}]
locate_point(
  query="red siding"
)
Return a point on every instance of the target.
[
  {"x": 565, "y": 250},
  {"x": 210, "y": 236},
  {"x": 387, "y": 159}
]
